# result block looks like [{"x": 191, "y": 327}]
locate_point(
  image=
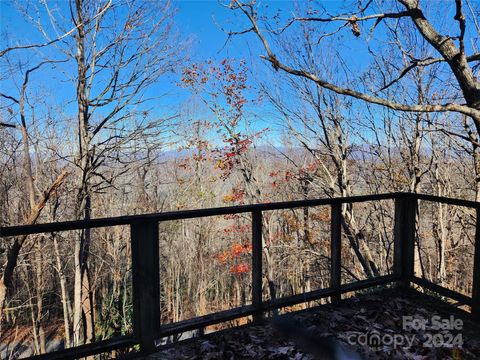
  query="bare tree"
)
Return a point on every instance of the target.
[
  {"x": 118, "y": 55},
  {"x": 120, "y": 50},
  {"x": 452, "y": 54},
  {"x": 36, "y": 202}
]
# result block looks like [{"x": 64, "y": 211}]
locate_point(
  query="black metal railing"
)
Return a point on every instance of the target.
[{"x": 146, "y": 265}]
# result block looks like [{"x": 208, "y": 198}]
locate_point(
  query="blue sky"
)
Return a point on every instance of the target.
[{"x": 194, "y": 22}]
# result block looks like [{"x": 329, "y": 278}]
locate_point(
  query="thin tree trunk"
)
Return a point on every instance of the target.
[
  {"x": 39, "y": 296},
  {"x": 82, "y": 295},
  {"x": 64, "y": 292}
]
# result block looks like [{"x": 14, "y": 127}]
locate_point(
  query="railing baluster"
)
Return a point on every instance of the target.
[
  {"x": 335, "y": 250},
  {"x": 146, "y": 283},
  {"x": 257, "y": 249},
  {"x": 476, "y": 272},
  {"x": 404, "y": 239}
]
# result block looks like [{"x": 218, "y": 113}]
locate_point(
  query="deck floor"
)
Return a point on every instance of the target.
[{"x": 351, "y": 329}]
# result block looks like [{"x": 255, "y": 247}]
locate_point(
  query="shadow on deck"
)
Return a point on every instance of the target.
[{"x": 385, "y": 324}]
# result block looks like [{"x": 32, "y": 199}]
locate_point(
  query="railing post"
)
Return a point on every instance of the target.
[
  {"x": 146, "y": 283},
  {"x": 476, "y": 272},
  {"x": 335, "y": 250},
  {"x": 404, "y": 239},
  {"x": 257, "y": 250}
]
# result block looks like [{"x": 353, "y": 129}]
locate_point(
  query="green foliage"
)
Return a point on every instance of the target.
[{"x": 116, "y": 315}]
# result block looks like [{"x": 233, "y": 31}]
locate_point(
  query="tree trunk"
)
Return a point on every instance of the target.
[
  {"x": 82, "y": 296},
  {"x": 64, "y": 292}
]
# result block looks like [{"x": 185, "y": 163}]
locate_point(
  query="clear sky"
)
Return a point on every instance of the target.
[
  {"x": 194, "y": 22},
  {"x": 196, "y": 25}
]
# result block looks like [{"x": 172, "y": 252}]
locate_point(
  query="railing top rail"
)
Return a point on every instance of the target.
[
  {"x": 195, "y": 213},
  {"x": 446, "y": 200}
]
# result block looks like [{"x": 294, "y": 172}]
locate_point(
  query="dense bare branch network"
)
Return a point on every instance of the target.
[{"x": 455, "y": 58}]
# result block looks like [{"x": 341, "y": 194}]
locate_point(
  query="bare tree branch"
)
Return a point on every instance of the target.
[
  {"x": 251, "y": 15},
  {"x": 426, "y": 62},
  {"x": 454, "y": 57},
  {"x": 50, "y": 42},
  {"x": 462, "y": 24},
  {"x": 7, "y": 125},
  {"x": 352, "y": 19}
]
